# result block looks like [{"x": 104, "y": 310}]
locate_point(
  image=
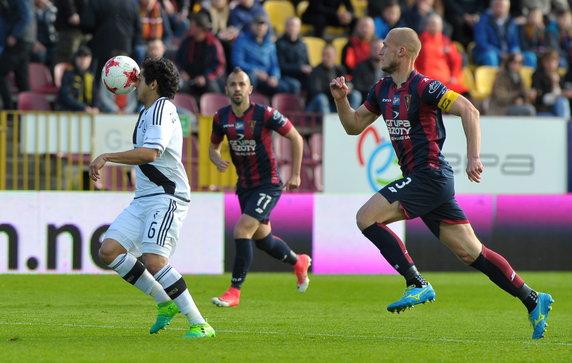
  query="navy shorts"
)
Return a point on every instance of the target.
[
  {"x": 429, "y": 194},
  {"x": 259, "y": 202}
]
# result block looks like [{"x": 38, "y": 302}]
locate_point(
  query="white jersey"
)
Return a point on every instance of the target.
[{"x": 159, "y": 128}]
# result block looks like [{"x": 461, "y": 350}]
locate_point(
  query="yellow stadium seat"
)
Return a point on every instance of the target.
[
  {"x": 526, "y": 74},
  {"x": 315, "y": 46},
  {"x": 339, "y": 44},
  {"x": 484, "y": 80},
  {"x": 278, "y": 11}
]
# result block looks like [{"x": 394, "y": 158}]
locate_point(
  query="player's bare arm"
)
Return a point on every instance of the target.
[
  {"x": 138, "y": 156},
  {"x": 353, "y": 121},
  {"x": 471, "y": 125},
  {"x": 214, "y": 155},
  {"x": 297, "y": 149}
]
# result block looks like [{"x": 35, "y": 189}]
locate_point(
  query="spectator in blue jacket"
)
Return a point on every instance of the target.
[
  {"x": 255, "y": 53},
  {"x": 293, "y": 53},
  {"x": 496, "y": 35},
  {"x": 244, "y": 12}
]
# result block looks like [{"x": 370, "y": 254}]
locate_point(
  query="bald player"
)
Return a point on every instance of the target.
[{"x": 411, "y": 105}]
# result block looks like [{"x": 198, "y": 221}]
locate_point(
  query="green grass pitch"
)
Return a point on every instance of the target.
[{"x": 88, "y": 318}]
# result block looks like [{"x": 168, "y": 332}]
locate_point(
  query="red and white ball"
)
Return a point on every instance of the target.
[{"x": 120, "y": 75}]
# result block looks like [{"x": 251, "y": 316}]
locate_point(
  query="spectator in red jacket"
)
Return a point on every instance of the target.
[
  {"x": 200, "y": 58},
  {"x": 359, "y": 45},
  {"x": 439, "y": 57}
]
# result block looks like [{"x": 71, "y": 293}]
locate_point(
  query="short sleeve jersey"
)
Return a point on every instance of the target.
[
  {"x": 412, "y": 113},
  {"x": 250, "y": 140},
  {"x": 159, "y": 127}
]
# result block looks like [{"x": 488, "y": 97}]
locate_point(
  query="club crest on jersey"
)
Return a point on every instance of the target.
[
  {"x": 239, "y": 125},
  {"x": 252, "y": 124},
  {"x": 396, "y": 100},
  {"x": 407, "y": 99}
]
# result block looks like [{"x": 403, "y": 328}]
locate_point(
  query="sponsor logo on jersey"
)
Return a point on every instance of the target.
[
  {"x": 239, "y": 125},
  {"x": 434, "y": 86},
  {"x": 396, "y": 100}
]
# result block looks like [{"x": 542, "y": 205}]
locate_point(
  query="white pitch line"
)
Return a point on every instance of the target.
[{"x": 450, "y": 340}]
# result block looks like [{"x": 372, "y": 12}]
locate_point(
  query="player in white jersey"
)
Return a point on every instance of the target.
[{"x": 150, "y": 225}]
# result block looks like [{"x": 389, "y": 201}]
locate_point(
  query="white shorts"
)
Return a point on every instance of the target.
[{"x": 149, "y": 225}]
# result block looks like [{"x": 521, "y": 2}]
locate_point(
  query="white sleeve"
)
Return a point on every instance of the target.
[{"x": 160, "y": 127}]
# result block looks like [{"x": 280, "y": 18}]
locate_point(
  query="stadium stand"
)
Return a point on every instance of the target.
[
  {"x": 211, "y": 102},
  {"x": 278, "y": 11},
  {"x": 186, "y": 101},
  {"x": 33, "y": 101},
  {"x": 59, "y": 69},
  {"x": 315, "y": 46},
  {"x": 41, "y": 79},
  {"x": 484, "y": 80}
]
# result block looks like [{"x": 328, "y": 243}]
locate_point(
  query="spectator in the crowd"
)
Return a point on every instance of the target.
[
  {"x": 551, "y": 94},
  {"x": 200, "y": 58},
  {"x": 358, "y": 47},
  {"x": 219, "y": 13},
  {"x": 387, "y": 19},
  {"x": 70, "y": 35},
  {"x": 563, "y": 27},
  {"x": 535, "y": 37},
  {"x": 546, "y": 7},
  {"x": 509, "y": 95},
  {"x": 178, "y": 13},
  {"x": 293, "y": 53},
  {"x": 255, "y": 53},
  {"x": 416, "y": 16},
  {"x": 77, "y": 90},
  {"x": 496, "y": 35},
  {"x": 463, "y": 16},
  {"x": 375, "y": 7},
  {"x": 154, "y": 24},
  {"x": 439, "y": 57},
  {"x": 368, "y": 71},
  {"x": 20, "y": 30},
  {"x": 47, "y": 36},
  {"x": 242, "y": 15},
  {"x": 115, "y": 29},
  {"x": 155, "y": 48},
  {"x": 323, "y": 13},
  {"x": 320, "y": 98}
]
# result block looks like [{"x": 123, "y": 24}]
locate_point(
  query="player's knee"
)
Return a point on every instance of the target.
[
  {"x": 465, "y": 257},
  {"x": 362, "y": 220},
  {"x": 107, "y": 253}
]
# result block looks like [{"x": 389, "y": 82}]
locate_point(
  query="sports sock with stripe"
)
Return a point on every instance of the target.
[
  {"x": 176, "y": 289},
  {"x": 134, "y": 272}
]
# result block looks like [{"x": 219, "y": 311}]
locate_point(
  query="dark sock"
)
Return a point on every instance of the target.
[
  {"x": 277, "y": 248},
  {"x": 242, "y": 261},
  {"x": 531, "y": 300},
  {"x": 390, "y": 246},
  {"x": 501, "y": 273},
  {"x": 413, "y": 277}
]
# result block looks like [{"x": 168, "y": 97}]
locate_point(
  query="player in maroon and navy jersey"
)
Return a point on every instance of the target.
[
  {"x": 248, "y": 128},
  {"x": 411, "y": 105}
]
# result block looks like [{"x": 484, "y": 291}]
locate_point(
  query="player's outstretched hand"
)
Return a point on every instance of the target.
[
  {"x": 339, "y": 88},
  {"x": 222, "y": 165},
  {"x": 474, "y": 169},
  {"x": 95, "y": 167},
  {"x": 293, "y": 182}
]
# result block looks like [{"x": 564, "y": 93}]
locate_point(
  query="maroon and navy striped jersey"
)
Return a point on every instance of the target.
[
  {"x": 413, "y": 119},
  {"x": 250, "y": 141}
]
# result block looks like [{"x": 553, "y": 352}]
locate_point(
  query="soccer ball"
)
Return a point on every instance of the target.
[{"x": 120, "y": 75}]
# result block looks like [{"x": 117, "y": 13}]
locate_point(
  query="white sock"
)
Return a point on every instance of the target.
[
  {"x": 134, "y": 272},
  {"x": 176, "y": 288}
]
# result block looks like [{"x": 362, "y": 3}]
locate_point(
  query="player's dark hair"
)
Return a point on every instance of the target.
[
  {"x": 236, "y": 70},
  {"x": 164, "y": 72}
]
